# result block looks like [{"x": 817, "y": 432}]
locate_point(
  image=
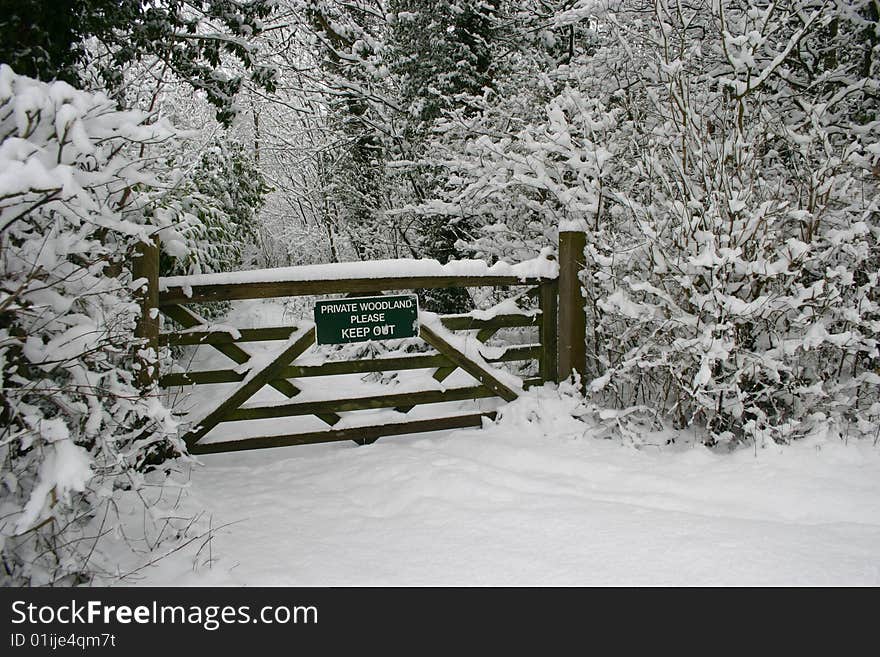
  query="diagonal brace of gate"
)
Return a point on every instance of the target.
[
  {"x": 188, "y": 319},
  {"x": 256, "y": 379},
  {"x": 431, "y": 333}
]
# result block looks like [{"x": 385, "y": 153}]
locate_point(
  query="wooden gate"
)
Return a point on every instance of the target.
[{"x": 555, "y": 351}]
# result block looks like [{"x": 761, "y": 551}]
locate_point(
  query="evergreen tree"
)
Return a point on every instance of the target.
[
  {"x": 47, "y": 39},
  {"x": 349, "y": 42},
  {"x": 441, "y": 55},
  {"x": 215, "y": 209}
]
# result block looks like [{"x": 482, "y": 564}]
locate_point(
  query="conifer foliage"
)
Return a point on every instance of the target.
[{"x": 55, "y": 39}]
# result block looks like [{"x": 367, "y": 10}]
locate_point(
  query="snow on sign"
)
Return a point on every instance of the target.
[{"x": 368, "y": 318}]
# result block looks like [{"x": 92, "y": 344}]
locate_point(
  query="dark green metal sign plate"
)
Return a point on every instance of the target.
[{"x": 339, "y": 321}]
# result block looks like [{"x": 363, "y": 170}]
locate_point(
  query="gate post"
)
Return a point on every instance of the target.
[
  {"x": 146, "y": 265},
  {"x": 548, "y": 331},
  {"x": 572, "y": 316}
]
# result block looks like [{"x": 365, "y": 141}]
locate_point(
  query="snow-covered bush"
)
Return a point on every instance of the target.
[
  {"x": 723, "y": 158},
  {"x": 76, "y": 175},
  {"x": 214, "y": 208},
  {"x": 736, "y": 283}
]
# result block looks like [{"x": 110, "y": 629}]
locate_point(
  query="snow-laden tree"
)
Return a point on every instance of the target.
[
  {"x": 355, "y": 100},
  {"x": 214, "y": 208},
  {"x": 441, "y": 55},
  {"x": 723, "y": 158},
  {"x": 192, "y": 40},
  {"x": 80, "y": 441},
  {"x": 376, "y": 76},
  {"x": 186, "y": 60}
]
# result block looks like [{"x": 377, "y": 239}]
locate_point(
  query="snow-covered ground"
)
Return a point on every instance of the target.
[{"x": 533, "y": 499}]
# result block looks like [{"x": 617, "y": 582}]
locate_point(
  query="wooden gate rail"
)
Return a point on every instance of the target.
[
  {"x": 361, "y": 366},
  {"x": 416, "y": 398},
  {"x": 271, "y": 333},
  {"x": 177, "y": 294},
  {"x": 361, "y": 435}
]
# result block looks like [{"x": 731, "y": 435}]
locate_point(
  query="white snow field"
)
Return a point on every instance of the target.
[
  {"x": 535, "y": 498},
  {"x": 535, "y": 505}
]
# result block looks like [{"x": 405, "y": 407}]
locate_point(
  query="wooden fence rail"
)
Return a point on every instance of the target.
[
  {"x": 177, "y": 294},
  {"x": 359, "y": 366}
]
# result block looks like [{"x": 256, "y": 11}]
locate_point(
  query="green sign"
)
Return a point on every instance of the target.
[{"x": 369, "y": 318}]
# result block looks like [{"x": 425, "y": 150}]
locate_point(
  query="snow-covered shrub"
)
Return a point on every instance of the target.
[
  {"x": 214, "y": 208},
  {"x": 723, "y": 158},
  {"x": 524, "y": 185},
  {"x": 75, "y": 177},
  {"x": 735, "y": 284}
]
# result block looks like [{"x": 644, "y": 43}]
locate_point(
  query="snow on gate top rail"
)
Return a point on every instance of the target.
[{"x": 343, "y": 277}]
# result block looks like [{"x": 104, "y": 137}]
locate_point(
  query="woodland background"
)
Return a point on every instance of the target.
[{"x": 723, "y": 157}]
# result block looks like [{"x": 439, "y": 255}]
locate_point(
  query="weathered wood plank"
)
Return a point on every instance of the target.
[
  {"x": 572, "y": 316},
  {"x": 367, "y": 365},
  {"x": 325, "y": 369},
  {"x": 476, "y": 370},
  {"x": 188, "y": 319},
  {"x": 203, "y": 377},
  {"x": 468, "y": 323},
  {"x": 180, "y": 338},
  {"x": 358, "y": 403},
  {"x": 357, "y": 434},
  {"x": 268, "y": 372},
  {"x": 518, "y": 352},
  {"x": 266, "y": 290},
  {"x": 511, "y": 354},
  {"x": 483, "y": 335},
  {"x": 548, "y": 330}
]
